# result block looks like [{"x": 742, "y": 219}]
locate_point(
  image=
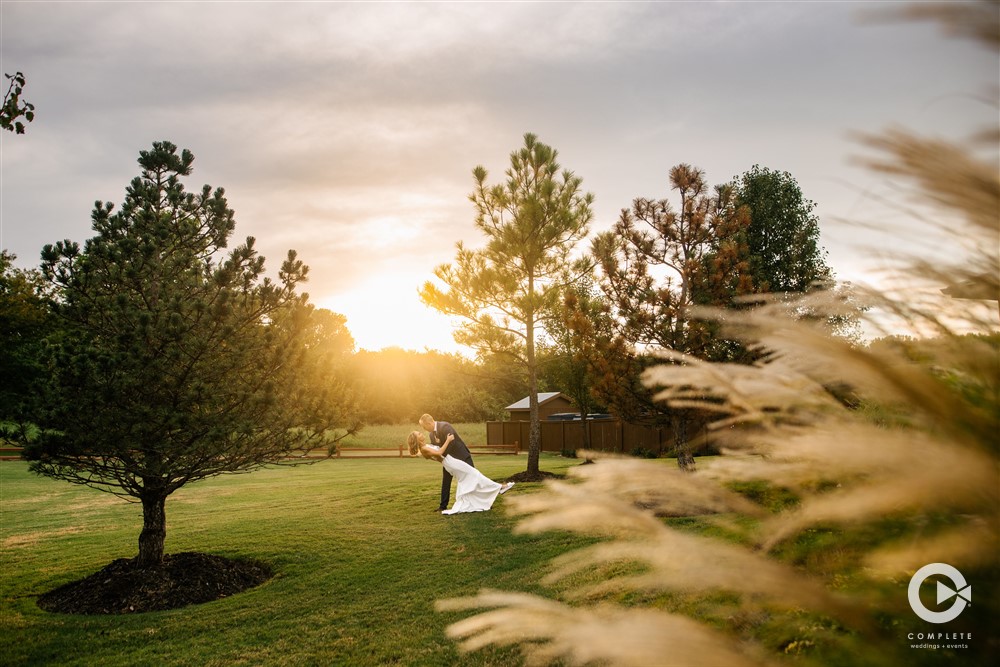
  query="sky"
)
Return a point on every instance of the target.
[{"x": 349, "y": 131}]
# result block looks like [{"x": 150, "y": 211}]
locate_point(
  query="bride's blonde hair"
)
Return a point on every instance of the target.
[{"x": 413, "y": 442}]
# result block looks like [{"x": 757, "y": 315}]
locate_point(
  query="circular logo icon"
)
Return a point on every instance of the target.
[{"x": 961, "y": 591}]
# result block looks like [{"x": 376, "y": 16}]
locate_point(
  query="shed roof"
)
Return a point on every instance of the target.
[{"x": 543, "y": 397}]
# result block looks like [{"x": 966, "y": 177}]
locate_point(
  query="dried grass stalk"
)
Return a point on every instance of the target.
[{"x": 550, "y": 631}]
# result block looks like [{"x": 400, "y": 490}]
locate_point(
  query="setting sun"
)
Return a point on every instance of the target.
[{"x": 385, "y": 311}]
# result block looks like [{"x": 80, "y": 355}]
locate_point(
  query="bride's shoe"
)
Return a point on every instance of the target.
[{"x": 506, "y": 487}]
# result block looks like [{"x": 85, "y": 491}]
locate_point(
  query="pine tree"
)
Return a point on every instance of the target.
[
  {"x": 657, "y": 265},
  {"x": 507, "y": 290},
  {"x": 178, "y": 361}
]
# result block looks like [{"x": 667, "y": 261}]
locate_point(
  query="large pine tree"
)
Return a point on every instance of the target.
[{"x": 177, "y": 360}]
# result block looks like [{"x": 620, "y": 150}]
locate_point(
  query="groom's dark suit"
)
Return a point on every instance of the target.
[{"x": 457, "y": 449}]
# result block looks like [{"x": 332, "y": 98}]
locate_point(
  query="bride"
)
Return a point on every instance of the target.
[{"x": 476, "y": 492}]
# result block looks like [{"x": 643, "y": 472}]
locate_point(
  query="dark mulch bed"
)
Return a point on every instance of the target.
[
  {"x": 541, "y": 476},
  {"x": 182, "y": 579}
]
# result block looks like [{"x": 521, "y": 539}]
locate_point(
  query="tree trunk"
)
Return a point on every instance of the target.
[
  {"x": 685, "y": 459},
  {"x": 534, "y": 428},
  {"x": 154, "y": 529}
]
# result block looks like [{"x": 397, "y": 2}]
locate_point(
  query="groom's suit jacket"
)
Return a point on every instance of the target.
[{"x": 457, "y": 449}]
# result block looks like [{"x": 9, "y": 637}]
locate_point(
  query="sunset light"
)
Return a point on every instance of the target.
[
  {"x": 726, "y": 276},
  {"x": 384, "y": 311}
]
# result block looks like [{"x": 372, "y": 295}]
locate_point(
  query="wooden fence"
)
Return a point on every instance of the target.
[
  {"x": 403, "y": 451},
  {"x": 9, "y": 452},
  {"x": 499, "y": 449},
  {"x": 609, "y": 435}
]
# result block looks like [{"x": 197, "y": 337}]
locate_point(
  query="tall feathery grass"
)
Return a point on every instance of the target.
[{"x": 886, "y": 456}]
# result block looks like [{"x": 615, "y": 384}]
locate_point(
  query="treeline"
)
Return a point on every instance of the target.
[
  {"x": 389, "y": 386},
  {"x": 396, "y": 386},
  {"x": 596, "y": 325}
]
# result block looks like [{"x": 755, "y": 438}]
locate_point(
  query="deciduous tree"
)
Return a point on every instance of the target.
[
  {"x": 24, "y": 321},
  {"x": 573, "y": 350},
  {"x": 783, "y": 235},
  {"x": 13, "y": 107},
  {"x": 397, "y": 386}
]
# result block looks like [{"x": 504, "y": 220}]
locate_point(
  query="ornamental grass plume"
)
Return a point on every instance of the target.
[
  {"x": 551, "y": 631},
  {"x": 845, "y": 468}
]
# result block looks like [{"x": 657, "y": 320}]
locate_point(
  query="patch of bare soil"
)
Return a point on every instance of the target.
[{"x": 181, "y": 579}]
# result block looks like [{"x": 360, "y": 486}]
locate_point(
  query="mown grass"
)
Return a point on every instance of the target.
[{"x": 360, "y": 559}]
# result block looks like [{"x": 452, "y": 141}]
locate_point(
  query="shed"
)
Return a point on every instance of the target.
[{"x": 549, "y": 402}]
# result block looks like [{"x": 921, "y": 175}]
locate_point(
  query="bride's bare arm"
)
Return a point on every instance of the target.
[{"x": 434, "y": 452}]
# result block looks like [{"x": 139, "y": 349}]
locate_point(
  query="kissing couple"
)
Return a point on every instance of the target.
[{"x": 476, "y": 492}]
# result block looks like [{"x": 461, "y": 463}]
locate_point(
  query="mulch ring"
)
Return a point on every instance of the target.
[
  {"x": 123, "y": 587},
  {"x": 534, "y": 477}
]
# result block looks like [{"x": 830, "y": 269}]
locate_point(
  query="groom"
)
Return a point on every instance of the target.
[{"x": 439, "y": 431}]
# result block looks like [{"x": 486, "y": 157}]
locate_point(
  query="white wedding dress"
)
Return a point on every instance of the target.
[{"x": 475, "y": 493}]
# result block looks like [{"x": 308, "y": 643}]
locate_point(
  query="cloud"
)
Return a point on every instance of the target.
[{"x": 348, "y": 131}]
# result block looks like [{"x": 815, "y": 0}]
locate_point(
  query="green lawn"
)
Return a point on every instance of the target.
[{"x": 360, "y": 559}]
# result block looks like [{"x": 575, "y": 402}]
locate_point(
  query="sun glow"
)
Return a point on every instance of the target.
[{"x": 386, "y": 311}]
